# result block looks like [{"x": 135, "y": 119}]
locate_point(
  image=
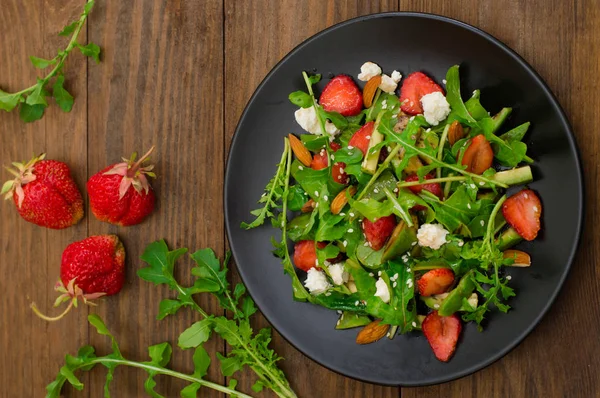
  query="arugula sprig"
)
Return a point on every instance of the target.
[
  {"x": 247, "y": 348},
  {"x": 160, "y": 355},
  {"x": 273, "y": 193},
  {"x": 33, "y": 100}
]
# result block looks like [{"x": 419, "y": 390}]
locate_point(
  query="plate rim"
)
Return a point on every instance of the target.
[{"x": 570, "y": 136}]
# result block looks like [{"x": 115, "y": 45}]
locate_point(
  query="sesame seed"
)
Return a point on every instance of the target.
[
  {"x": 389, "y": 148},
  {"x": 338, "y": 322},
  {"x": 396, "y": 276},
  {"x": 368, "y": 137},
  {"x": 326, "y": 198},
  {"x": 300, "y": 168},
  {"x": 317, "y": 262},
  {"x": 366, "y": 244},
  {"x": 356, "y": 302},
  {"x": 342, "y": 214},
  {"x": 371, "y": 274},
  {"x": 350, "y": 147},
  {"x": 317, "y": 194},
  {"x": 339, "y": 312},
  {"x": 412, "y": 117},
  {"x": 481, "y": 183},
  {"x": 469, "y": 205},
  {"x": 407, "y": 269},
  {"x": 342, "y": 171},
  {"x": 370, "y": 245},
  {"x": 414, "y": 243},
  {"x": 535, "y": 208},
  {"x": 376, "y": 190},
  {"x": 316, "y": 204},
  {"x": 332, "y": 157},
  {"x": 460, "y": 243},
  {"x": 395, "y": 190},
  {"x": 350, "y": 153},
  {"x": 482, "y": 223},
  {"x": 351, "y": 214},
  {"x": 328, "y": 294},
  {"x": 473, "y": 186},
  {"x": 350, "y": 230},
  {"x": 345, "y": 243},
  {"x": 526, "y": 196},
  {"x": 263, "y": 195},
  {"x": 436, "y": 306},
  {"x": 414, "y": 324},
  {"x": 444, "y": 81},
  {"x": 408, "y": 281},
  {"x": 428, "y": 130},
  {"x": 322, "y": 151},
  {"x": 508, "y": 277},
  {"x": 395, "y": 284},
  {"x": 379, "y": 273}
]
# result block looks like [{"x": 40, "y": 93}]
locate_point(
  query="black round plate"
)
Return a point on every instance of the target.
[{"x": 407, "y": 42}]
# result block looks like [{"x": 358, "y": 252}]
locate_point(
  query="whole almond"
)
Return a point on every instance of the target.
[
  {"x": 372, "y": 332},
  {"x": 338, "y": 203},
  {"x": 308, "y": 206},
  {"x": 521, "y": 258},
  {"x": 370, "y": 90},
  {"x": 302, "y": 154},
  {"x": 455, "y": 132}
]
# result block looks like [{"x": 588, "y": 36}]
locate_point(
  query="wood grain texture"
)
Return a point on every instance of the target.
[
  {"x": 177, "y": 74},
  {"x": 561, "y": 40},
  {"x": 282, "y": 26},
  {"x": 31, "y": 255}
]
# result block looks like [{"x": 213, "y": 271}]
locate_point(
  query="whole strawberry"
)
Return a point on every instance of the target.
[
  {"x": 89, "y": 269},
  {"x": 120, "y": 194},
  {"x": 45, "y": 193}
]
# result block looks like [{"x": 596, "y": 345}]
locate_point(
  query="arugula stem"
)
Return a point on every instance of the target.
[
  {"x": 438, "y": 171},
  {"x": 405, "y": 216},
  {"x": 370, "y": 112},
  {"x": 62, "y": 56},
  {"x": 167, "y": 372},
  {"x": 456, "y": 168},
  {"x": 448, "y": 186},
  {"x": 380, "y": 170},
  {"x": 405, "y": 184}
]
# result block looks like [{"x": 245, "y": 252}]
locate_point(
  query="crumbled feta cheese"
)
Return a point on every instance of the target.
[
  {"x": 435, "y": 107},
  {"x": 396, "y": 76},
  {"x": 388, "y": 84},
  {"x": 316, "y": 282},
  {"x": 338, "y": 273},
  {"x": 432, "y": 235},
  {"x": 308, "y": 120},
  {"x": 382, "y": 290},
  {"x": 368, "y": 70}
]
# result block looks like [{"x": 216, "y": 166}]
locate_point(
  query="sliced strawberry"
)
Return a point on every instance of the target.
[
  {"x": 305, "y": 254},
  {"x": 479, "y": 155},
  {"x": 434, "y": 188},
  {"x": 342, "y": 95},
  {"x": 362, "y": 137},
  {"x": 319, "y": 161},
  {"x": 522, "y": 211},
  {"x": 442, "y": 333},
  {"x": 338, "y": 173},
  {"x": 335, "y": 146},
  {"x": 414, "y": 87},
  {"x": 378, "y": 232},
  {"x": 436, "y": 281}
]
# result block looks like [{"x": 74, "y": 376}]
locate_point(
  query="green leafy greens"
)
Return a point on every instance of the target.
[{"x": 33, "y": 100}]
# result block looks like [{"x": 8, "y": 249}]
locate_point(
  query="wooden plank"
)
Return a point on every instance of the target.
[
  {"x": 160, "y": 84},
  {"x": 257, "y": 35},
  {"x": 561, "y": 41},
  {"x": 33, "y": 253}
]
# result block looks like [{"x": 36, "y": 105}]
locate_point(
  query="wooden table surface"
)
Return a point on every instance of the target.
[{"x": 177, "y": 74}]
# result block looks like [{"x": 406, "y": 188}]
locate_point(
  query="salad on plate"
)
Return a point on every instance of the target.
[{"x": 396, "y": 205}]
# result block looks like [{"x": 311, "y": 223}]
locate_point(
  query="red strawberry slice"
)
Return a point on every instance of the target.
[
  {"x": 362, "y": 137},
  {"x": 434, "y": 188},
  {"x": 378, "y": 232},
  {"x": 342, "y": 95},
  {"x": 319, "y": 161},
  {"x": 436, "y": 281},
  {"x": 442, "y": 333},
  {"x": 335, "y": 146},
  {"x": 305, "y": 254},
  {"x": 522, "y": 211},
  {"x": 414, "y": 87},
  {"x": 338, "y": 173}
]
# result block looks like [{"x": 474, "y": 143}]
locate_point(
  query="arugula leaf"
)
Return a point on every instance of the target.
[
  {"x": 314, "y": 142},
  {"x": 454, "y": 98},
  {"x": 456, "y": 211},
  {"x": 63, "y": 98},
  {"x": 33, "y": 98},
  {"x": 301, "y": 99},
  {"x": 196, "y": 334}
]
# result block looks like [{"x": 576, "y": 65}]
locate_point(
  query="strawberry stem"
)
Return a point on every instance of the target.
[
  {"x": 52, "y": 319},
  {"x": 131, "y": 172}
]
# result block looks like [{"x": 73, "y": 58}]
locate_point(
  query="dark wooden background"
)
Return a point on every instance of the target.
[{"x": 178, "y": 73}]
